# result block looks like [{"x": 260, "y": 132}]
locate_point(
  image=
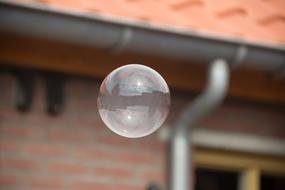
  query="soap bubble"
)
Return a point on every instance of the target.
[{"x": 134, "y": 101}]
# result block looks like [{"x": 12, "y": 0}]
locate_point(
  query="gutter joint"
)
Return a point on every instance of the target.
[
  {"x": 123, "y": 41},
  {"x": 239, "y": 57}
]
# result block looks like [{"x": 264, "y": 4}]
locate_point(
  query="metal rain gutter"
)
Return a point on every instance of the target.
[
  {"x": 180, "y": 151},
  {"x": 115, "y": 36}
]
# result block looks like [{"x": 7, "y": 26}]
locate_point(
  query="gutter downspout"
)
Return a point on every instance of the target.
[{"x": 180, "y": 153}]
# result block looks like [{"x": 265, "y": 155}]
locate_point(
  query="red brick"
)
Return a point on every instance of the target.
[
  {"x": 21, "y": 164},
  {"x": 144, "y": 153},
  {"x": 81, "y": 87},
  {"x": 36, "y": 118},
  {"x": 135, "y": 158},
  {"x": 90, "y": 185},
  {"x": 152, "y": 176},
  {"x": 83, "y": 106},
  {"x": 7, "y": 179},
  {"x": 10, "y": 115},
  {"x": 43, "y": 182},
  {"x": 9, "y": 146},
  {"x": 17, "y": 131},
  {"x": 115, "y": 140},
  {"x": 114, "y": 172},
  {"x": 152, "y": 145},
  {"x": 45, "y": 149},
  {"x": 68, "y": 168},
  {"x": 68, "y": 135},
  {"x": 93, "y": 154},
  {"x": 128, "y": 187},
  {"x": 87, "y": 121}
]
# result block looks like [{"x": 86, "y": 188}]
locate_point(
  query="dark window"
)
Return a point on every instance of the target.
[
  {"x": 272, "y": 182},
  {"x": 207, "y": 179}
]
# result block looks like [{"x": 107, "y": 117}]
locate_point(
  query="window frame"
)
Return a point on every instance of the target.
[{"x": 249, "y": 166}]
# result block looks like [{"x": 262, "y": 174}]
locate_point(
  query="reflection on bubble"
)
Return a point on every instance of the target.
[{"x": 134, "y": 101}]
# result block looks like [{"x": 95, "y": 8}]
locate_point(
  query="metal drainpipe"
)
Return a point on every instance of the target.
[{"x": 213, "y": 95}]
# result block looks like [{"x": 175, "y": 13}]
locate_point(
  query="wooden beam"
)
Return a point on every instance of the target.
[
  {"x": 250, "y": 179},
  {"x": 79, "y": 60},
  {"x": 235, "y": 161}
]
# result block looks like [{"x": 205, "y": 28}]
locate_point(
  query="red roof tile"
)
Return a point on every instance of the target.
[{"x": 254, "y": 20}]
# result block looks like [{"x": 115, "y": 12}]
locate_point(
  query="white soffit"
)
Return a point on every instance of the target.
[{"x": 224, "y": 140}]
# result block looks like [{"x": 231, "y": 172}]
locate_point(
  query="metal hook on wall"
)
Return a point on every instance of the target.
[
  {"x": 25, "y": 87},
  {"x": 54, "y": 86},
  {"x": 153, "y": 186}
]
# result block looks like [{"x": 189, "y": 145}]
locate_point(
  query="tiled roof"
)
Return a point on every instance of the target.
[{"x": 253, "y": 20}]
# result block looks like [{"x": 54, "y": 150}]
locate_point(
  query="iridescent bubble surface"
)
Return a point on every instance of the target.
[{"x": 134, "y": 101}]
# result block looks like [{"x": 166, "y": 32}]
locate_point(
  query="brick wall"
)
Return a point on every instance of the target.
[{"x": 74, "y": 151}]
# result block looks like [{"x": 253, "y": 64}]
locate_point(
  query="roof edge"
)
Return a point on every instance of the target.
[
  {"x": 100, "y": 17},
  {"x": 115, "y": 35}
]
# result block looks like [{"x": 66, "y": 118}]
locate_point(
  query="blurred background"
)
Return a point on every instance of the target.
[{"x": 54, "y": 55}]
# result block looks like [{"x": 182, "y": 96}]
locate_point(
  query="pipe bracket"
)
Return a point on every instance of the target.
[
  {"x": 239, "y": 57},
  {"x": 54, "y": 84},
  {"x": 123, "y": 41},
  {"x": 25, "y": 87},
  {"x": 280, "y": 73}
]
